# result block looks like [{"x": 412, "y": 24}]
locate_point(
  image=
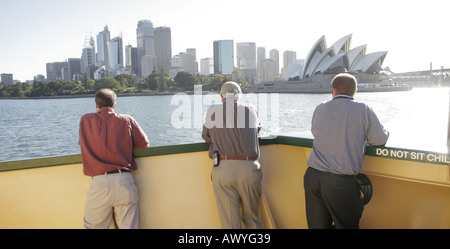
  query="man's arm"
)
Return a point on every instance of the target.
[
  {"x": 376, "y": 134},
  {"x": 140, "y": 139},
  {"x": 205, "y": 134}
]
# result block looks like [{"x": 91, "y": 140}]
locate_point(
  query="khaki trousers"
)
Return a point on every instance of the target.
[
  {"x": 112, "y": 193},
  {"x": 237, "y": 183}
]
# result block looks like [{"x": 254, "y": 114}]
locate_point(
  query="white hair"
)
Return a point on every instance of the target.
[{"x": 231, "y": 96}]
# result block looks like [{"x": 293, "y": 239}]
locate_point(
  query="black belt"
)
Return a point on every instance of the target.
[
  {"x": 332, "y": 174},
  {"x": 116, "y": 171}
]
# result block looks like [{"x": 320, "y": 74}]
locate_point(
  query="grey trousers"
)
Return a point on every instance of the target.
[
  {"x": 112, "y": 193},
  {"x": 237, "y": 183}
]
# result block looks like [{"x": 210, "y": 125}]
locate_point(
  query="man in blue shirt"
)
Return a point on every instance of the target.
[{"x": 341, "y": 128}]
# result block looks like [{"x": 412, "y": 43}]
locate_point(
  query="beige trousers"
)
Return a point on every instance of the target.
[
  {"x": 237, "y": 183},
  {"x": 112, "y": 193}
]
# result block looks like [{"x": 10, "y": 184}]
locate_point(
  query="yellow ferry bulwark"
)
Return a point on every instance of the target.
[{"x": 175, "y": 189}]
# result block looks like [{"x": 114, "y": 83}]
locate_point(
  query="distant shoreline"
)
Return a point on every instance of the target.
[
  {"x": 93, "y": 95},
  {"x": 134, "y": 94}
]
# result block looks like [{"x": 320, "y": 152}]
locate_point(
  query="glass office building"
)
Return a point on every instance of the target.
[
  {"x": 145, "y": 42},
  {"x": 223, "y": 57}
]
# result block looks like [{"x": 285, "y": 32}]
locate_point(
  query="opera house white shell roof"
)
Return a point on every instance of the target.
[{"x": 336, "y": 59}]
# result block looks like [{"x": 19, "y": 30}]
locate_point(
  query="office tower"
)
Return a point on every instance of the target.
[
  {"x": 206, "y": 66},
  {"x": 145, "y": 46},
  {"x": 163, "y": 48},
  {"x": 102, "y": 47},
  {"x": 193, "y": 52},
  {"x": 223, "y": 57},
  {"x": 88, "y": 56},
  {"x": 268, "y": 70},
  {"x": 131, "y": 59},
  {"x": 115, "y": 53},
  {"x": 6, "y": 79},
  {"x": 275, "y": 56},
  {"x": 260, "y": 57},
  {"x": 288, "y": 57},
  {"x": 188, "y": 62},
  {"x": 54, "y": 70},
  {"x": 74, "y": 68},
  {"x": 246, "y": 60},
  {"x": 175, "y": 66},
  {"x": 65, "y": 73}
]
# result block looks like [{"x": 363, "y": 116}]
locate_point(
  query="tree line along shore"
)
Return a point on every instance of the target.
[{"x": 157, "y": 83}]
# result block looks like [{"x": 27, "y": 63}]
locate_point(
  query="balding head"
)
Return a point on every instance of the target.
[
  {"x": 345, "y": 83},
  {"x": 105, "y": 98}
]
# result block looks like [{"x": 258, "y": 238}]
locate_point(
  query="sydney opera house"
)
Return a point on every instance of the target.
[{"x": 314, "y": 73}]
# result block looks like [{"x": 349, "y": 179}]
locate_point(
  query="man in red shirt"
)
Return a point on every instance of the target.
[{"x": 107, "y": 141}]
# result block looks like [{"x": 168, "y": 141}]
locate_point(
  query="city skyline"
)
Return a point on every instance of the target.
[{"x": 46, "y": 31}]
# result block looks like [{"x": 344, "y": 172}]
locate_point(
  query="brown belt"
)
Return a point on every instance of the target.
[
  {"x": 248, "y": 158},
  {"x": 116, "y": 171}
]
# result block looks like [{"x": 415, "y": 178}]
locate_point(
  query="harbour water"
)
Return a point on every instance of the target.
[{"x": 36, "y": 128}]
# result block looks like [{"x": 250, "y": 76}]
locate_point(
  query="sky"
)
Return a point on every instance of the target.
[{"x": 415, "y": 33}]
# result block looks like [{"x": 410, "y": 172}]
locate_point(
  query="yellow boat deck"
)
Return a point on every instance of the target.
[{"x": 411, "y": 189}]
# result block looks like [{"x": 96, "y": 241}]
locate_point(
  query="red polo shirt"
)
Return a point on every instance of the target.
[{"x": 107, "y": 141}]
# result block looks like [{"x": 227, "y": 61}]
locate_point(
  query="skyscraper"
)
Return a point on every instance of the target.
[
  {"x": 268, "y": 67},
  {"x": 246, "y": 60},
  {"x": 275, "y": 56},
  {"x": 6, "y": 79},
  {"x": 74, "y": 68},
  {"x": 145, "y": 45},
  {"x": 54, "y": 70},
  {"x": 206, "y": 66},
  {"x": 193, "y": 52},
  {"x": 175, "y": 66},
  {"x": 288, "y": 58},
  {"x": 188, "y": 62},
  {"x": 115, "y": 53},
  {"x": 223, "y": 57},
  {"x": 102, "y": 48},
  {"x": 88, "y": 56},
  {"x": 131, "y": 59},
  {"x": 163, "y": 48},
  {"x": 260, "y": 57}
]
